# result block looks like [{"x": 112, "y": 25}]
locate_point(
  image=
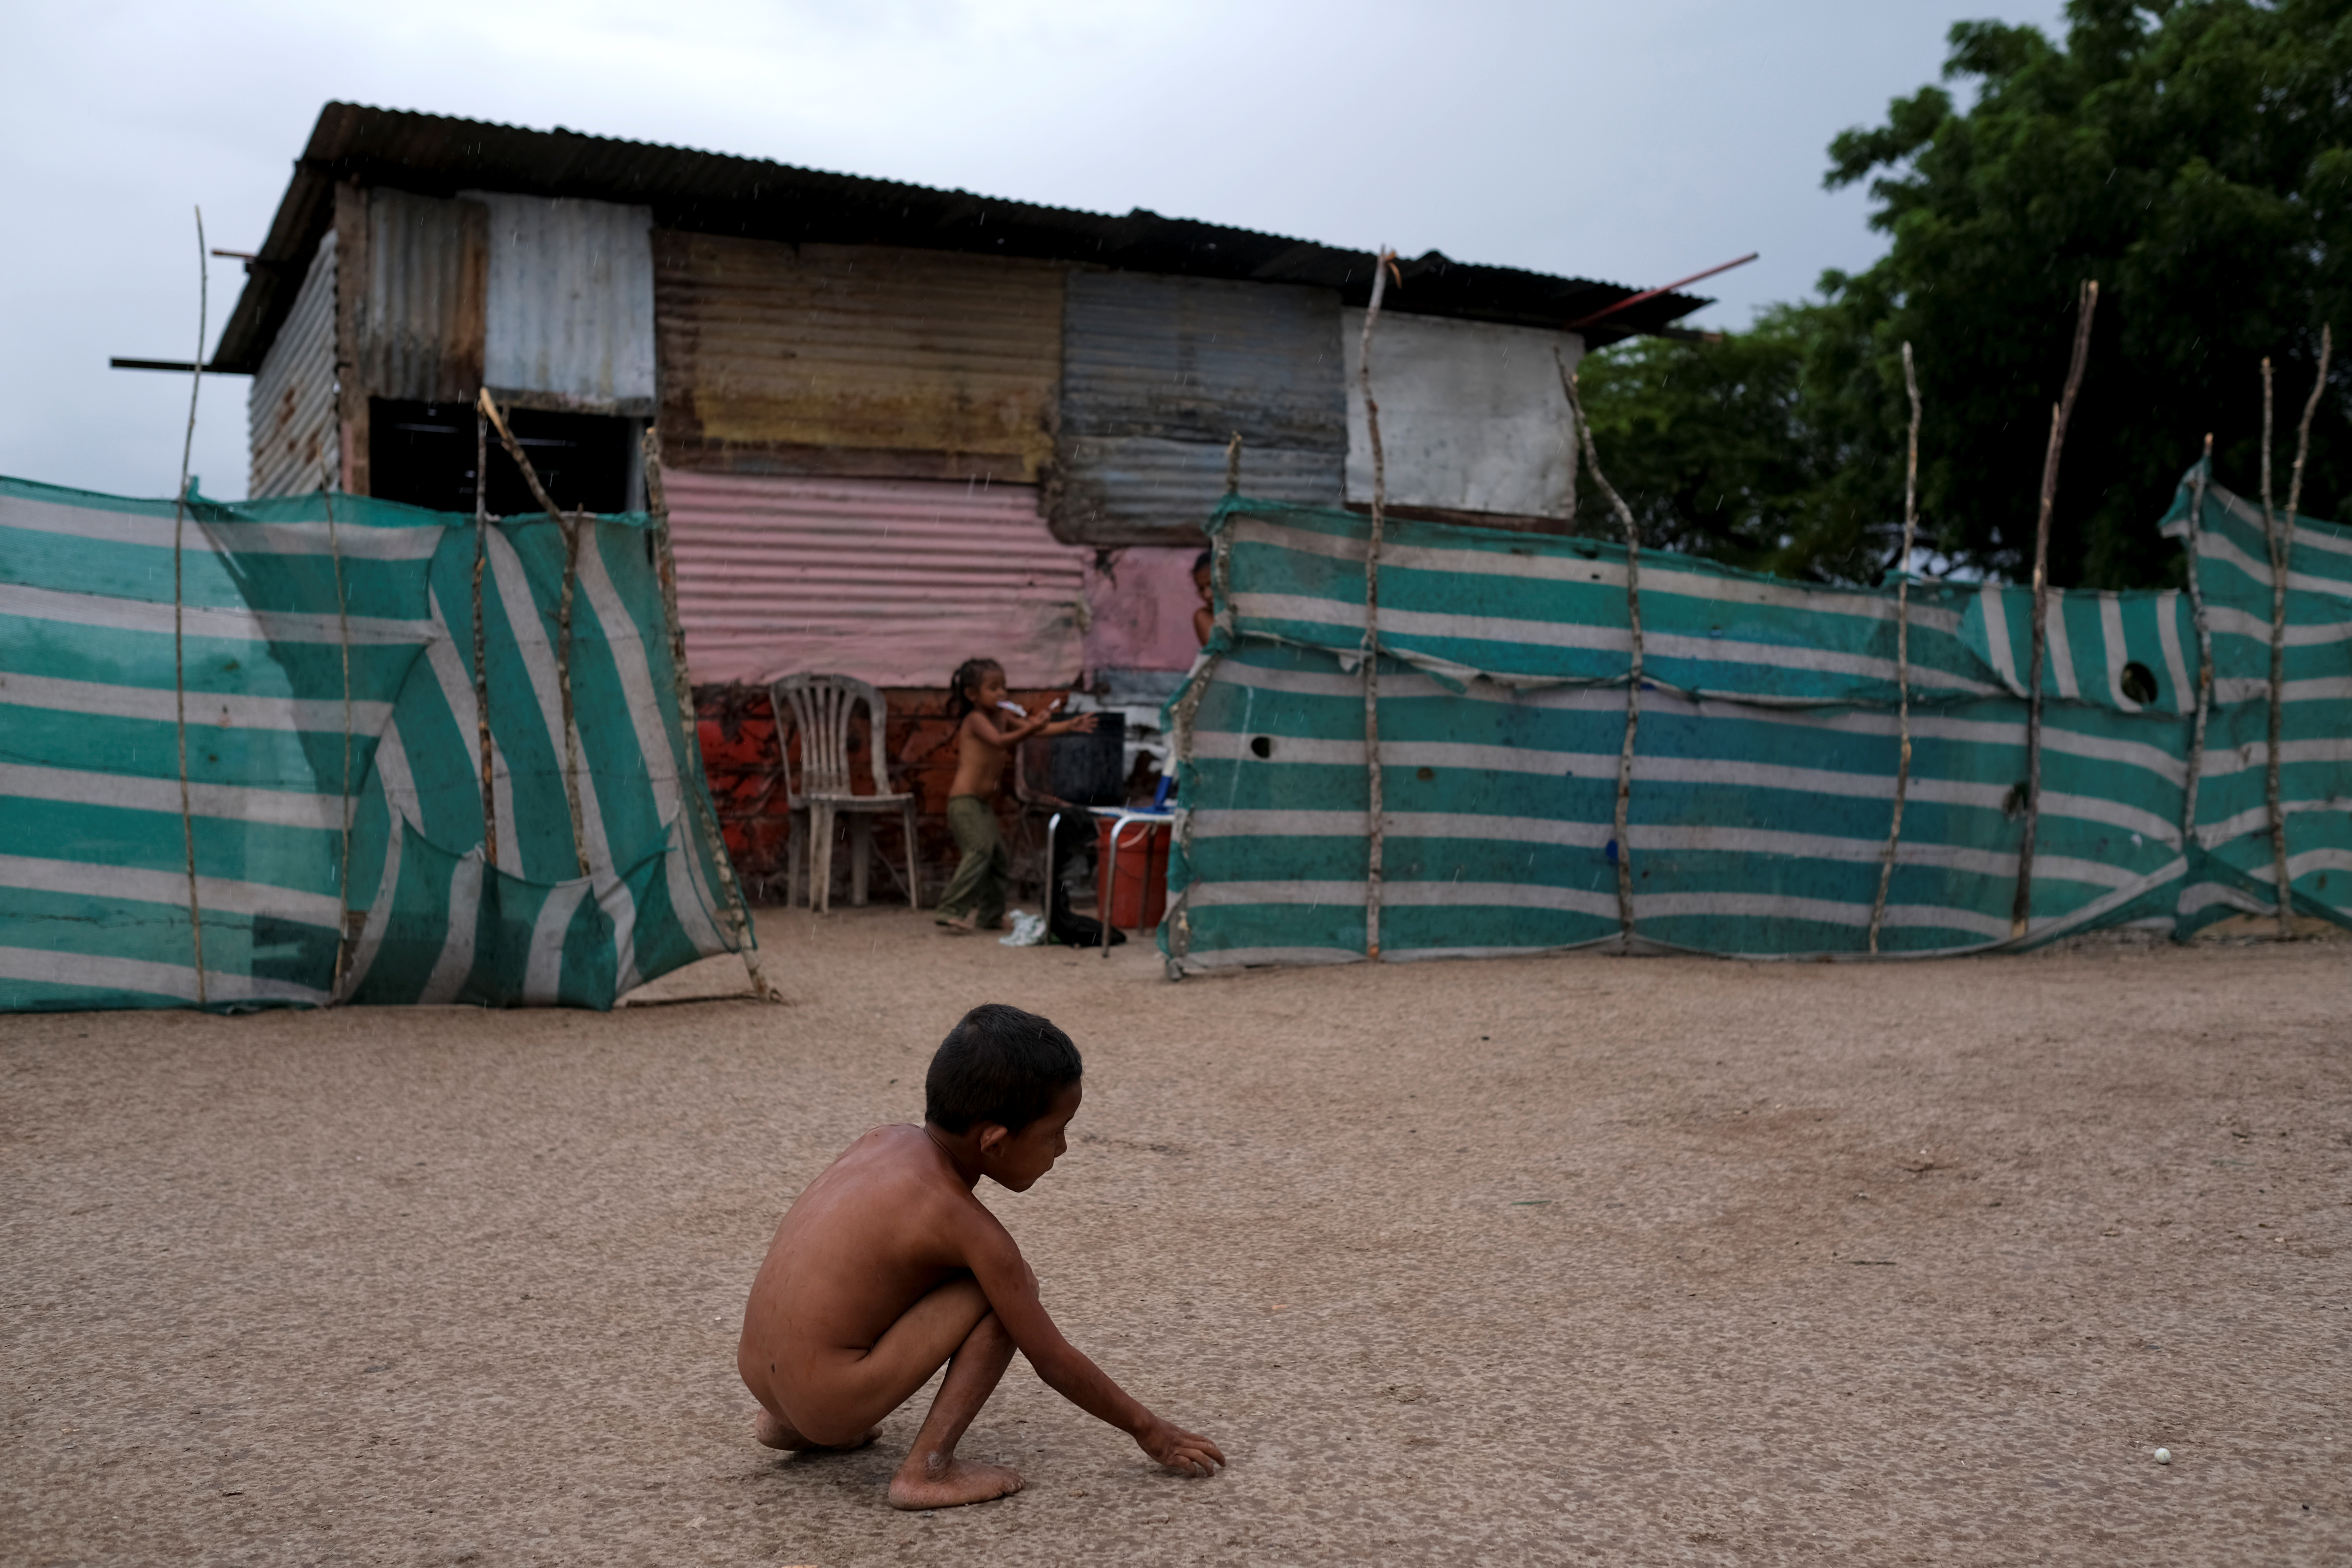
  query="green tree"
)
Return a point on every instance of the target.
[{"x": 2191, "y": 156}]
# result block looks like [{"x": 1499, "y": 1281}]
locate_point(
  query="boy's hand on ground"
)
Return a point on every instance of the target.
[{"x": 1180, "y": 1450}]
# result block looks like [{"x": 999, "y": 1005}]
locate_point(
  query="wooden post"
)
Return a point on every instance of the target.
[
  {"x": 1901, "y": 654},
  {"x": 569, "y": 528},
  {"x": 2204, "y": 647},
  {"x": 481, "y": 640},
  {"x": 738, "y": 911},
  {"x": 2280, "y": 539},
  {"x": 1382, "y": 266},
  {"x": 1623, "y": 813},
  {"x": 179, "y": 615},
  {"x": 2022, "y": 909}
]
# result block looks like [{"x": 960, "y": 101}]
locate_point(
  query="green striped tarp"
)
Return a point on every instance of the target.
[
  {"x": 325, "y": 646},
  {"x": 1764, "y": 779}
]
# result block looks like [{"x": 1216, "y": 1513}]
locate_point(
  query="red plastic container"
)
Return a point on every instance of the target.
[{"x": 1140, "y": 899}]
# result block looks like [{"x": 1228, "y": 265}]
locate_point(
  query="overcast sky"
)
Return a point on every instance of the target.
[{"x": 1633, "y": 143}]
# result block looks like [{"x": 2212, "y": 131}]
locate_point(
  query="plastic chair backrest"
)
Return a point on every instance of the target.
[{"x": 820, "y": 706}]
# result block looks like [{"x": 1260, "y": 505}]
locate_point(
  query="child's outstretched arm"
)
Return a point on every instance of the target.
[{"x": 1005, "y": 1277}]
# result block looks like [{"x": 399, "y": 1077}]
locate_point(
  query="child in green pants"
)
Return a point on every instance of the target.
[{"x": 987, "y": 728}]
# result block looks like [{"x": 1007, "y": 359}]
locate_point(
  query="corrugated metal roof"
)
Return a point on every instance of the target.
[
  {"x": 715, "y": 194},
  {"x": 291, "y": 406},
  {"x": 421, "y": 322},
  {"x": 1198, "y": 359},
  {"x": 904, "y": 363},
  {"x": 571, "y": 304},
  {"x": 893, "y": 581},
  {"x": 1158, "y": 373},
  {"x": 1472, "y": 416}
]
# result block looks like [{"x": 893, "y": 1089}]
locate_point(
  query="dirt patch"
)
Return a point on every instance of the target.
[{"x": 1549, "y": 1260}]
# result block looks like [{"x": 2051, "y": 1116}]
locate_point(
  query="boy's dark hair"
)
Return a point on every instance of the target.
[
  {"x": 998, "y": 1064},
  {"x": 967, "y": 673},
  {"x": 1203, "y": 559}
]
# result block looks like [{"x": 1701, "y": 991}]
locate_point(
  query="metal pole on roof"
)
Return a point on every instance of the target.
[
  {"x": 2020, "y": 909},
  {"x": 1631, "y": 300}
]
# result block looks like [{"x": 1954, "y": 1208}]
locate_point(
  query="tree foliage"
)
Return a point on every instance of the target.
[{"x": 2194, "y": 156}]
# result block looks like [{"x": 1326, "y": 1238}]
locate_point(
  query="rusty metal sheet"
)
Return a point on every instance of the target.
[
  {"x": 893, "y": 581},
  {"x": 1472, "y": 414},
  {"x": 420, "y": 321},
  {"x": 853, "y": 360},
  {"x": 291, "y": 406},
  {"x": 1158, "y": 374},
  {"x": 570, "y": 304}
]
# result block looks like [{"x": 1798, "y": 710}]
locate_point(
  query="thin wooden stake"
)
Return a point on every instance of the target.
[
  {"x": 1384, "y": 264},
  {"x": 2204, "y": 647},
  {"x": 2021, "y": 909},
  {"x": 343, "y": 623},
  {"x": 1634, "y": 665},
  {"x": 2280, "y": 538},
  {"x": 179, "y": 614},
  {"x": 482, "y": 637},
  {"x": 738, "y": 911},
  {"x": 1901, "y": 655},
  {"x": 1234, "y": 465},
  {"x": 570, "y": 528}
]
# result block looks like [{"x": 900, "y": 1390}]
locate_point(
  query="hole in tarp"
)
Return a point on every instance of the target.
[
  {"x": 1261, "y": 745},
  {"x": 2012, "y": 805},
  {"x": 2139, "y": 683}
]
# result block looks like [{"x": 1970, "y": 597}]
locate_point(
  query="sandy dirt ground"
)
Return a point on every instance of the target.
[{"x": 1560, "y": 1260}]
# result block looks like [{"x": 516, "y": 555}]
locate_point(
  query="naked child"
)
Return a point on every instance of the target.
[{"x": 887, "y": 1266}]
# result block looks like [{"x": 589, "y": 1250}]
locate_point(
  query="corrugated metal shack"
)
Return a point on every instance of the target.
[{"x": 900, "y": 426}]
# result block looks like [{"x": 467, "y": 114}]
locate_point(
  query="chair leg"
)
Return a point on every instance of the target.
[
  {"x": 914, "y": 887},
  {"x": 796, "y": 857},
  {"x": 821, "y": 859},
  {"x": 861, "y": 857}
]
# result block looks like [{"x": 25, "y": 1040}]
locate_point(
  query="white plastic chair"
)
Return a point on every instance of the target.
[{"x": 820, "y": 707}]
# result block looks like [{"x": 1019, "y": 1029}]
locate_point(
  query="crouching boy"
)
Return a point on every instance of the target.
[{"x": 887, "y": 1265}]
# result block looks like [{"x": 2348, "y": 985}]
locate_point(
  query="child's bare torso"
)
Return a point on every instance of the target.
[
  {"x": 980, "y": 763},
  {"x": 878, "y": 1230}
]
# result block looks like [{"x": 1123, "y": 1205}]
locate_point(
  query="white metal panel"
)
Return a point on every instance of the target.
[
  {"x": 570, "y": 303},
  {"x": 291, "y": 406},
  {"x": 1472, "y": 414}
]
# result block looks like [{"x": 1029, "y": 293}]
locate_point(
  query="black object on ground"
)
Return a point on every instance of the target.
[{"x": 1066, "y": 834}]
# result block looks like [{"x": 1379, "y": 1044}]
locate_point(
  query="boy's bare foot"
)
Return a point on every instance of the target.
[
  {"x": 774, "y": 1434},
  {"x": 918, "y": 1484},
  {"x": 957, "y": 925}
]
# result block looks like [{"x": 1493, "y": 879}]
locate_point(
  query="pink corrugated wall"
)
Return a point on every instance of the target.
[
  {"x": 1142, "y": 600},
  {"x": 893, "y": 581}
]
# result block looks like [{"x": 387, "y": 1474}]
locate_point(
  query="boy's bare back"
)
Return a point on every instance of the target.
[{"x": 887, "y": 1265}]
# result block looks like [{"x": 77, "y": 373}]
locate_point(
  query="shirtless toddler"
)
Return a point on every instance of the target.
[{"x": 887, "y": 1265}]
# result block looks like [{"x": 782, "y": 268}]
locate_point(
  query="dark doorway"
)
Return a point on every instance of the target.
[{"x": 423, "y": 453}]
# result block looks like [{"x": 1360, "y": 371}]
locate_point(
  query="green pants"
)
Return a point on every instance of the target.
[{"x": 978, "y": 888}]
